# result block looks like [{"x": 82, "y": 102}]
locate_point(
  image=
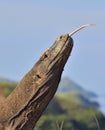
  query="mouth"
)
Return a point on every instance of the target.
[
  {"x": 61, "y": 45},
  {"x": 60, "y": 50},
  {"x": 67, "y": 46},
  {"x": 64, "y": 45}
]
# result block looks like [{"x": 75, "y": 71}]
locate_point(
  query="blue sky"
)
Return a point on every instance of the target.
[{"x": 27, "y": 28}]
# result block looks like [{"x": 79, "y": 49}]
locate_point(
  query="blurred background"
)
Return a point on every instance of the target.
[{"x": 27, "y": 28}]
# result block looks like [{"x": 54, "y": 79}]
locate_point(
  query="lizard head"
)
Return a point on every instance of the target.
[{"x": 53, "y": 59}]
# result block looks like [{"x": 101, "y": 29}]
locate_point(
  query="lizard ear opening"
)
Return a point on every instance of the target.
[{"x": 45, "y": 56}]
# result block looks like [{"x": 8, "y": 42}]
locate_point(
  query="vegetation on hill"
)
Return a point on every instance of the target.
[
  {"x": 74, "y": 115},
  {"x": 7, "y": 87}
]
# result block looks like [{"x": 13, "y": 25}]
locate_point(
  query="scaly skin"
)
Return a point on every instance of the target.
[{"x": 24, "y": 106}]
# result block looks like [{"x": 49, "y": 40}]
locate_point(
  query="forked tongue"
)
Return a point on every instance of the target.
[{"x": 81, "y": 27}]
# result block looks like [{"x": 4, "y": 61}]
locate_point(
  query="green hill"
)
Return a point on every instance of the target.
[
  {"x": 7, "y": 87},
  {"x": 74, "y": 115}
]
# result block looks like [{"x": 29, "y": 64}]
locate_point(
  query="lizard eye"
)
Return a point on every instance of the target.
[
  {"x": 38, "y": 76},
  {"x": 44, "y": 56}
]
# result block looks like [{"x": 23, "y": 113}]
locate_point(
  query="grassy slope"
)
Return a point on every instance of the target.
[{"x": 74, "y": 115}]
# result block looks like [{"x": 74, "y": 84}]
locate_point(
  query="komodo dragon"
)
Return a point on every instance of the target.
[{"x": 24, "y": 106}]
